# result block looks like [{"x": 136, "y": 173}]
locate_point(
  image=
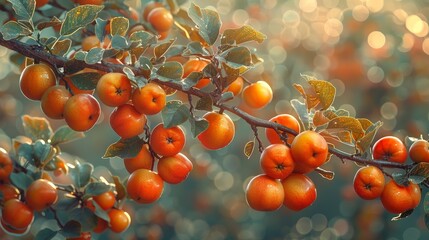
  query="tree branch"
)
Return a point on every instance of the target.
[{"x": 38, "y": 53}]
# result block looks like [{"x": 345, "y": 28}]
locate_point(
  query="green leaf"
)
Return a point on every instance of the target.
[
  {"x": 400, "y": 178},
  {"x": 238, "y": 57},
  {"x": 21, "y": 180},
  {"x": 100, "y": 28},
  {"x": 191, "y": 80},
  {"x": 80, "y": 55},
  {"x": 86, "y": 81},
  {"x": 195, "y": 48},
  {"x": 25, "y": 154},
  {"x": 43, "y": 152},
  {"x": 419, "y": 172},
  {"x": 119, "y": 43},
  {"x": 145, "y": 64},
  {"x": 61, "y": 47},
  {"x": 426, "y": 203},
  {"x": 68, "y": 202},
  {"x": 78, "y": 18},
  {"x": 94, "y": 55},
  {"x": 208, "y": 22},
  {"x": 174, "y": 113},
  {"x": 119, "y": 26},
  {"x": 120, "y": 188},
  {"x": 226, "y": 96},
  {"x": 229, "y": 74},
  {"x": 205, "y": 103},
  {"x": 45, "y": 234},
  {"x": 12, "y": 30},
  {"x": 248, "y": 148},
  {"x": 129, "y": 73},
  {"x": 169, "y": 71},
  {"x": 81, "y": 174},
  {"x": 96, "y": 188},
  {"x": 403, "y": 215},
  {"x": 364, "y": 143},
  {"x": 145, "y": 38},
  {"x": 161, "y": 49},
  {"x": 241, "y": 35},
  {"x": 301, "y": 110},
  {"x": 198, "y": 125},
  {"x": 124, "y": 148},
  {"x": 24, "y": 9},
  {"x": 72, "y": 229},
  {"x": 65, "y": 134},
  {"x": 36, "y": 127},
  {"x": 99, "y": 212}
]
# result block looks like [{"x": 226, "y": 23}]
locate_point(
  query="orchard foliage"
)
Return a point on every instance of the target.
[{"x": 82, "y": 55}]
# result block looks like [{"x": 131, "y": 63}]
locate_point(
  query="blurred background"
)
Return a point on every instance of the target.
[{"x": 375, "y": 52}]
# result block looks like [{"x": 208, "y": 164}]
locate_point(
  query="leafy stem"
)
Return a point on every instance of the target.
[{"x": 38, "y": 53}]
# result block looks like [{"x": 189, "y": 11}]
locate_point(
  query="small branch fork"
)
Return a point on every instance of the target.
[{"x": 38, "y": 53}]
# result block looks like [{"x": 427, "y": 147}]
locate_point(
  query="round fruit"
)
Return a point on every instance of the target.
[
  {"x": 174, "y": 169},
  {"x": 35, "y": 80},
  {"x": 150, "y": 99},
  {"x": 419, "y": 151},
  {"x": 398, "y": 199},
  {"x": 81, "y": 112},
  {"x": 276, "y": 161},
  {"x": 219, "y": 133},
  {"x": 144, "y": 186},
  {"x": 113, "y": 89},
  {"x": 236, "y": 86},
  {"x": 41, "y": 3},
  {"x": 369, "y": 182},
  {"x": 149, "y": 7},
  {"x": 9, "y": 191},
  {"x": 119, "y": 220},
  {"x": 53, "y": 101},
  {"x": 257, "y": 95},
  {"x": 101, "y": 225},
  {"x": 105, "y": 200},
  {"x": 167, "y": 141},
  {"x": 309, "y": 151},
  {"x": 143, "y": 160},
  {"x": 389, "y": 148},
  {"x": 90, "y": 42},
  {"x": 17, "y": 214},
  {"x": 41, "y": 194},
  {"x": 196, "y": 65},
  {"x": 6, "y": 165},
  {"x": 161, "y": 19},
  {"x": 83, "y": 236},
  {"x": 299, "y": 191},
  {"x": 286, "y": 120},
  {"x": 264, "y": 193},
  {"x": 13, "y": 231},
  {"x": 126, "y": 121}
]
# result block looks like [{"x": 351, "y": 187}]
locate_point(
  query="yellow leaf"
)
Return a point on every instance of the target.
[
  {"x": 325, "y": 92},
  {"x": 347, "y": 123},
  {"x": 325, "y": 173},
  {"x": 119, "y": 26},
  {"x": 365, "y": 123},
  {"x": 248, "y": 148},
  {"x": 319, "y": 119},
  {"x": 363, "y": 143}
]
